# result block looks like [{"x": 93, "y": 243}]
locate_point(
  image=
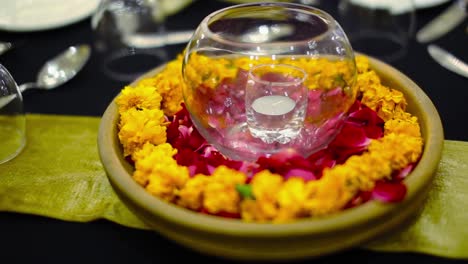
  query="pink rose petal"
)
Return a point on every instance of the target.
[
  {"x": 300, "y": 173},
  {"x": 400, "y": 175}
]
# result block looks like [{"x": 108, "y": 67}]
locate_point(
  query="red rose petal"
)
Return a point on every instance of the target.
[
  {"x": 284, "y": 161},
  {"x": 222, "y": 213},
  {"x": 359, "y": 199},
  {"x": 389, "y": 192},
  {"x": 351, "y": 136}
]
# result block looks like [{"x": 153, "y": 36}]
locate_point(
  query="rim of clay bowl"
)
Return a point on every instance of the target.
[{"x": 417, "y": 182}]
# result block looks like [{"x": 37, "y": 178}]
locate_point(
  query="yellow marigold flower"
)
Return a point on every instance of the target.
[
  {"x": 334, "y": 190},
  {"x": 141, "y": 177},
  {"x": 219, "y": 197},
  {"x": 361, "y": 174},
  {"x": 208, "y": 71},
  {"x": 409, "y": 149},
  {"x": 140, "y": 97},
  {"x": 148, "y": 149},
  {"x": 140, "y": 126},
  {"x": 265, "y": 187},
  {"x": 291, "y": 198},
  {"x": 258, "y": 210},
  {"x": 310, "y": 66},
  {"x": 370, "y": 173},
  {"x": 368, "y": 82},
  {"x": 168, "y": 83},
  {"x": 220, "y": 192},
  {"x": 172, "y": 100},
  {"x": 161, "y": 187},
  {"x": 362, "y": 64},
  {"x": 191, "y": 196},
  {"x": 332, "y": 75},
  {"x": 247, "y": 63},
  {"x": 228, "y": 175},
  {"x": 339, "y": 184},
  {"x": 146, "y": 158},
  {"x": 292, "y": 193},
  {"x": 407, "y": 125},
  {"x": 165, "y": 178},
  {"x": 244, "y": 63},
  {"x": 385, "y": 101}
]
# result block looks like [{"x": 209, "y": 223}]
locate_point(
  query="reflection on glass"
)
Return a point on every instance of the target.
[{"x": 12, "y": 118}]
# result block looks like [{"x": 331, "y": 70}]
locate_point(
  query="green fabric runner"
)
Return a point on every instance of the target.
[{"x": 59, "y": 175}]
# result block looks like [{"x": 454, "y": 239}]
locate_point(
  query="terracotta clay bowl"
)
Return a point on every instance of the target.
[{"x": 304, "y": 238}]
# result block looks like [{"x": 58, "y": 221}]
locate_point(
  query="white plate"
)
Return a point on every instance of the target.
[
  {"x": 397, "y": 7},
  {"x": 36, "y": 15},
  {"x": 428, "y": 3}
]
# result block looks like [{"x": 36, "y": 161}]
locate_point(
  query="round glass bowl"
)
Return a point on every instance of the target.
[{"x": 265, "y": 77}]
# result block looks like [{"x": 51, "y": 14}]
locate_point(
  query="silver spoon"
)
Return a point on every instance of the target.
[
  {"x": 4, "y": 47},
  {"x": 60, "y": 69},
  {"x": 56, "y": 71}
]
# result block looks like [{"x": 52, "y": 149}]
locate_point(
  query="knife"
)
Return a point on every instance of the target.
[
  {"x": 155, "y": 41},
  {"x": 447, "y": 60},
  {"x": 444, "y": 22}
]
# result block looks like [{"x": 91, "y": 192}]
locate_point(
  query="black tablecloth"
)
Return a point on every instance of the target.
[{"x": 28, "y": 239}]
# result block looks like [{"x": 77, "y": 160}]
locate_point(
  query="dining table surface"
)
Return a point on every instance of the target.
[{"x": 37, "y": 239}]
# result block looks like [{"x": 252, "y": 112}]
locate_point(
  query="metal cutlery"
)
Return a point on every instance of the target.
[
  {"x": 448, "y": 60},
  {"x": 157, "y": 40},
  {"x": 180, "y": 37},
  {"x": 4, "y": 47},
  {"x": 443, "y": 23},
  {"x": 56, "y": 71}
]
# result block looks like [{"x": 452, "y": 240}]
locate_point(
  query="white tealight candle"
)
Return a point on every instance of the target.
[{"x": 273, "y": 105}]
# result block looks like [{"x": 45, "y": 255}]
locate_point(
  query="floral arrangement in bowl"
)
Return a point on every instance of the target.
[
  {"x": 175, "y": 163},
  {"x": 268, "y": 139},
  {"x": 388, "y": 151}
]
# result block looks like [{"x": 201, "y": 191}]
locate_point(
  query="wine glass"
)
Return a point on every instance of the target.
[
  {"x": 262, "y": 78},
  {"x": 379, "y": 28},
  {"x": 121, "y": 29},
  {"x": 12, "y": 118}
]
